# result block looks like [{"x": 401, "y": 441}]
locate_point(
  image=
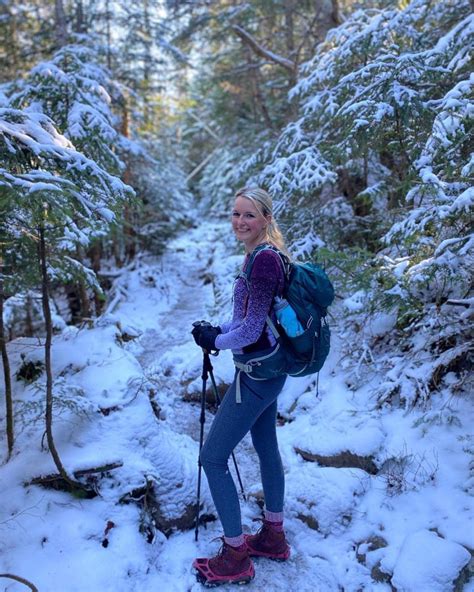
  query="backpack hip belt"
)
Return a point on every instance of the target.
[{"x": 259, "y": 367}]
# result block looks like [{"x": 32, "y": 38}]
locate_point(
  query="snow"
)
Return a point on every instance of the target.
[
  {"x": 103, "y": 390},
  {"x": 346, "y": 430},
  {"x": 428, "y": 563}
]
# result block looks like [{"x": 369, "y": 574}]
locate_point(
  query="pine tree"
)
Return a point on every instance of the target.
[
  {"x": 379, "y": 160},
  {"x": 54, "y": 197}
]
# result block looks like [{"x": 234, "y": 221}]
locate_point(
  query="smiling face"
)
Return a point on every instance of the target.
[{"x": 248, "y": 224}]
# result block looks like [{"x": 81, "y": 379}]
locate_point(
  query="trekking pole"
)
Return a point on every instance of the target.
[
  {"x": 202, "y": 420},
  {"x": 218, "y": 402}
]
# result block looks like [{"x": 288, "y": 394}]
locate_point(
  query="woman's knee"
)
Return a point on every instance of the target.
[{"x": 209, "y": 460}]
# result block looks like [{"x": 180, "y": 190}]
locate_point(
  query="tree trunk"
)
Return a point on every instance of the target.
[
  {"x": 292, "y": 54},
  {"x": 29, "y": 329},
  {"x": 6, "y": 372},
  {"x": 60, "y": 22},
  {"x": 95, "y": 255},
  {"x": 80, "y": 25},
  {"x": 11, "y": 64},
  {"x": 74, "y": 302},
  {"x": 47, "y": 358},
  {"x": 336, "y": 15},
  {"x": 82, "y": 289},
  {"x": 290, "y": 39},
  {"x": 85, "y": 301},
  {"x": 129, "y": 230},
  {"x": 257, "y": 97},
  {"x": 147, "y": 66},
  {"x": 108, "y": 35}
]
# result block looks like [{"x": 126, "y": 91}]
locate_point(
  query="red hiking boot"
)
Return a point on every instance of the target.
[
  {"x": 268, "y": 542},
  {"x": 232, "y": 565}
]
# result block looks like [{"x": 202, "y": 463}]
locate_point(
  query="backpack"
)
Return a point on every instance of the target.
[{"x": 309, "y": 292}]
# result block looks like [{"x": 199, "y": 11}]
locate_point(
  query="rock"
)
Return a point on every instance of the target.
[
  {"x": 366, "y": 554},
  {"x": 310, "y": 521},
  {"x": 348, "y": 439},
  {"x": 165, "y": 489},
  {"x": 345, "y": 459},
  {"x": 466, "y": 574},
  {"x": 324, "y": 498},
  {"x": 127, "y": 332},
  {"x": 378, "y": 575},
  {"x": 154, "y": 514},
  {"x": 191, "y": 395},
  {"x": 428, "y": 563},
  {"x": 371, "y": 544}
]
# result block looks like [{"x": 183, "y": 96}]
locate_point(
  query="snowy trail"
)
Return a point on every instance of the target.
[
  {"x": 104, "y": 383},
  {"x": 166, "y": 340}
]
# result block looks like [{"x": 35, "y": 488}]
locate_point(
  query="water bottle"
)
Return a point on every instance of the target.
[{"x": 287, "y": 317}]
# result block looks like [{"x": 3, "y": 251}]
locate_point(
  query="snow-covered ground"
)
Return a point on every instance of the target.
[{"x": 387, "y": 504}]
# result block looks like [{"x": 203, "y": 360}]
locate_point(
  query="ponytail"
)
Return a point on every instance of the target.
[{"x": 275, "y": 237}]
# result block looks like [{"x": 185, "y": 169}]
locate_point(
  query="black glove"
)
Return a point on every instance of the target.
[
  {"x": 197, "y": 326},
  {"x": 207, "y": 337}
]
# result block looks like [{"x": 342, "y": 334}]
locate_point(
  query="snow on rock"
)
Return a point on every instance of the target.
[
  {"x": 428, "y": 563},
  {"x": 348, "y": 439},
  {"x": 324, "y": 498},
  {"x": 174, "y": 460}
]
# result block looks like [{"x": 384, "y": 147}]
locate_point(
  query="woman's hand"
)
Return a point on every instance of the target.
[{"x": 205, "y": 335}]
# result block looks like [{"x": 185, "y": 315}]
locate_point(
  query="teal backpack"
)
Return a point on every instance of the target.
[{"x": 309, "y": 292}]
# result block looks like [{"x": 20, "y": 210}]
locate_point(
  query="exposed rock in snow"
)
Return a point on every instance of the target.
[
  {"x": 368, "y": 553},
  {"x": 348, "y": 439},
  {"x": 344, "y": 459}
]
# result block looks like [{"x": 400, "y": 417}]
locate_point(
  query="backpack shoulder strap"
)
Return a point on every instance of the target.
[
  {"x": 286, "y": 270},
  {"x": 266, "y": 247}
]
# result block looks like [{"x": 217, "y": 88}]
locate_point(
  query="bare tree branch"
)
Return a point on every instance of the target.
[{"x": 261, "y": 51}]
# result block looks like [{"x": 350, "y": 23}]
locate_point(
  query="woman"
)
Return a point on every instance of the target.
[{"x": 249, "y": 405}]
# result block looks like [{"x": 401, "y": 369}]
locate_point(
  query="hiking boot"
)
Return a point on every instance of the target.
[
  {"x": 268, "y": 542},
  {"x": 232, "y": 565}
]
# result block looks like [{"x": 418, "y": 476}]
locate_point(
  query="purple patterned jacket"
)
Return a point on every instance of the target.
[{"x": 247, "y": 331}]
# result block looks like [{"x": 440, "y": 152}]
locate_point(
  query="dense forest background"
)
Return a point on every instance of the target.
[{"x": 122, "y": 124}]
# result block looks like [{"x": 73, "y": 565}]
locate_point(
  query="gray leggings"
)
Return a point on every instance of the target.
[{"x": 257, "y": 413}]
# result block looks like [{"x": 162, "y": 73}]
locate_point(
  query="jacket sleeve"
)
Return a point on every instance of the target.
[
  {"x": 226, "y": 326},
  {"x": 263, "y": 284}
]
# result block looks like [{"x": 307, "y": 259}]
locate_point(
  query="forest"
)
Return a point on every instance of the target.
[{"x": 126, "y": 129}]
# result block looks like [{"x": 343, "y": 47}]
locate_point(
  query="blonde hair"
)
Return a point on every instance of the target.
[{"x": 264, "y": 204}]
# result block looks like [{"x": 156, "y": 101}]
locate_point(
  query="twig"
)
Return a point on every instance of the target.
[
  {"x": 102, "y": 469},
  {"x": 21, "y": 580},
  {"x": 21, "y": 512},
  {"x": 468, "y": 302}
]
